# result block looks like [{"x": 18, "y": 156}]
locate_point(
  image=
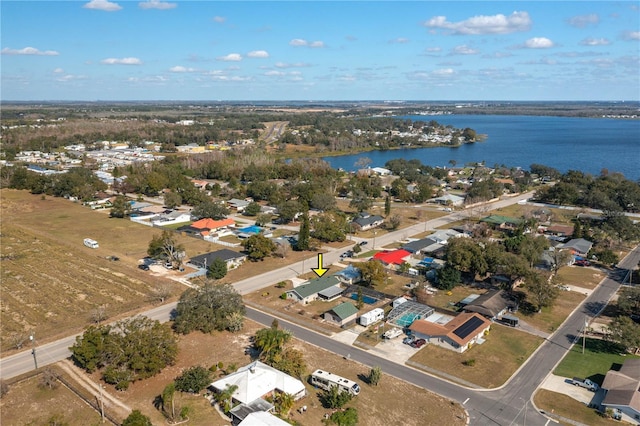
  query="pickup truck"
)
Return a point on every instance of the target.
[{"x": 585, "y": 383}]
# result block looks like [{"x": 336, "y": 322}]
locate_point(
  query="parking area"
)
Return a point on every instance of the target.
[
  {"x": 391, "y": 349},
  {"x": 562, "y": 385}
]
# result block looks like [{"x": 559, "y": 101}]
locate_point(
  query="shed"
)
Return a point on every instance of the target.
[{"x": 342, "y": 314}]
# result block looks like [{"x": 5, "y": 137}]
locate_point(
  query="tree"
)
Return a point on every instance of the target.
[
  {"x": 258, "y": 247},
  {"x": 541, "y": 291},
  {"x": 323, "y": 201},
  {"x": 447, "y": 277},
  {"x": 560, "y": 258},
  {"x": 225, "y": 397},
  {"x": 217, "y": 270},
  {"x": 348, "y": 417},
  {"x": 136, "y": 418},
  {"x": 288, "y": 210},
  {"x": 121, "y": 207},
  {"x": 270, "y": 342},
  {"x": 360, "y": 300},
  {"x": 329, "y": 227},
  {"x": 374, "y": 376},
  {"x": 89, "y": 349},
  {"x": 252, "y": 209},
  {"x": 172, "y": 199},
  {"x": 625, "y": 332},
  {"x": 48, "y": 379},
  {"x": 165, "y": 246},
  {"x": 283, "y": 403},
  {"x": 193, "y": 380},
  {"x": 373, "y": 273},
  {"x": 360, "y": 201},
  {"x": 394, "y": 221},
  {"x": 168, "y": 400},
  {"x": 334, "y": 397},
  {"x": 606, "y": 256},
  {"x": 387, "y": 206},
  {"x": 210, "y": 209},
  {"x": 629, "y": 300},
  {"x": 304, "y": 234},
  {"x": 211, "y": 307}
]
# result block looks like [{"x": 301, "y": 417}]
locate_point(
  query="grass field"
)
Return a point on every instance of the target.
[
  {"x": 598, "y": 358},
  {"x": 580, "y": 277},
  {"x": 550, "y": 318},
  {"x": 496, "y": 360}
]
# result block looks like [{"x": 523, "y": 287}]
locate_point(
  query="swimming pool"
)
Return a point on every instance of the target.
[
  {"x": 253, "y": 229},
  {"x": 366, "y": 299}
]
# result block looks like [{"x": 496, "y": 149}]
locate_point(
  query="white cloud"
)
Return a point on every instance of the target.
[
  {"x": 29, "y": 51},
  {"x": 231, "y": 57},
  {"x": 121, "y": 61},
  {"x": 300, "y": 42},
  {"x": 631, "y": 35},
  {"x": 538, "y": 43},
  {"x": 293, "y": 65},
  {"x": 156, "y": 4},
  {"x": 399, "y": 40},
  {"x": 477, "y": 25},
  {"x": 443, "y": 72},
  {"x": 180, "y": 68},
  {"x": 595, "y": 42},
  {"x": 58, "y": 71},
  {"x": 258, "y": 54},
  {"x": 219, "y": 19},
  {"x": 463, "y": 50},
  {"x": 70, "y": 77},
  {"x": 582, "y": 21},
  {"x": 433, "y": 49},
  {"x": 274, "y": 73},
  {"x": 104, "y": 5}
]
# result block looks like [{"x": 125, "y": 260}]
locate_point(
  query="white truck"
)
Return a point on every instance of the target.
[{"x": 585, "y": 383}]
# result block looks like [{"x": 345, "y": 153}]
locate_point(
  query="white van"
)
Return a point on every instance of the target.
[{"x": 91, "y": 243}]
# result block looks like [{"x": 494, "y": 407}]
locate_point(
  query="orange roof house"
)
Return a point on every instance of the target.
[{"x": 205, "y": 226}]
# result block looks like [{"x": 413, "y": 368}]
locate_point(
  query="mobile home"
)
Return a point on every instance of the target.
[
  {"x": 371, "y": 317},
  {"x": 325, "y": 380}
]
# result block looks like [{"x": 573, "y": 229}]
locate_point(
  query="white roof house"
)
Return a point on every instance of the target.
[
  {"x": 257, "y": 380},
  {"x": 262, "y": 418}
]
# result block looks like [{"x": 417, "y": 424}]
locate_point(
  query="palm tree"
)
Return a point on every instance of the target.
[
  {"x": 225, "y": 397},
  {"x": 283, "y": 402},
  {"x": 270, "y": 342}
]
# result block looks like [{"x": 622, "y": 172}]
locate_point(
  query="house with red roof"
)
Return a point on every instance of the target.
[
  {"x": 392, "y": 258},
  {"x": 207, "y": 226}
]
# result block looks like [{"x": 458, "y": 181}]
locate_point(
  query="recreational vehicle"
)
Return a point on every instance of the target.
[
  {"x": 325, "y": 380},
  {"x": 91, "y": 243}
]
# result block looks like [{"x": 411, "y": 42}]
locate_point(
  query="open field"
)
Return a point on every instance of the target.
[
  {"x": 377, "y": 406},
  {"x": 565, "y": 406},
  {"x": 578, "y": 276},
  {"x": 496, "y": 360},
  {"x": 550, "y": 318}
]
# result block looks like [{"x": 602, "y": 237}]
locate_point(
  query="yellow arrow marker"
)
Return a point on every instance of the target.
[{"x": 319, "y": 270}]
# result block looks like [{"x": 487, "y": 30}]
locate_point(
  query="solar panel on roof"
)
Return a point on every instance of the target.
[{"x": 468, "y": 327}]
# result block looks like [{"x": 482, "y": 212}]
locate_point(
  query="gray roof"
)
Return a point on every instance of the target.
[
  {"x": 331, "y": 292},
  {"x": 623, "y": 387},
  {"x": 208, "y": 258},
  {"x": 312, "y": 287},
  {"x": 415, "y": 246},
  {"x": 579, "y": 244},
  {"x": 364, "y": 219},
  {"x": 490, "y": 304}
]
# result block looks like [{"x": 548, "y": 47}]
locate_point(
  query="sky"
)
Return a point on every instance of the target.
[{"x": 320, "y": 50}]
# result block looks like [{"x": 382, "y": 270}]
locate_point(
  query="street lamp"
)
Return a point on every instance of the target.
[
  {"x": 374, "y": 239},
  {"x": 32, "y": 337}
]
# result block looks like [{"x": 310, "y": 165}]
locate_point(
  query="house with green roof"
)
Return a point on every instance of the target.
[
  {"x": 342, "y": 314},
  {"x": 325, "y": 287},
  {"x": 502, "y": 222}
]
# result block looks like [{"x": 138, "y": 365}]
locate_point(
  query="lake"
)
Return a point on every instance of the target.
[{"x": 564, "y": 143}]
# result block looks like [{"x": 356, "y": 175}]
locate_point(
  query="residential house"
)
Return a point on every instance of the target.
[
  {"x": 492, "y": 304},
  {"x": 200, "y": 184},
  {"x": 309, "y": 291},
  {"x": 562, "y": 231},
  {"x": 449, "y": 200},
  {"x": 233, "y": 259},
  {"x": 502, "y": 222},
  {"x": 255, "y": 382},
  {"x": 263, "y": 418},
  {"x": 623, "y": 389},
  {"x": 349, "y": 275},
  {"x": 392, "y": 258},
  {"x": 238, "y": 205},
  {"x": 578, "y": 246},
  {"x": 424, "y": 246},
  {"x": 172, "y": 218},
  {"x": 458, "y": 334},
  {"x": 207, "y": 227},
  {"x": 342, "y": 314},
  {"x": 365, "y": 221}
]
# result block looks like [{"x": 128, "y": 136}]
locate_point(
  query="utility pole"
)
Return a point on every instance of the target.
[
  {"x": 584, "y": 333},
  {"x": 32, "y": 337},
  {"x": 101, "y": 404}
]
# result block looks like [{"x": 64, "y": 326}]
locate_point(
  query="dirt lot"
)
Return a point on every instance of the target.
[{"x": 377, "y": 406}]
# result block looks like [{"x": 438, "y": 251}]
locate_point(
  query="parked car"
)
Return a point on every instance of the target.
[
  {"x": 582, "y": 263},
  {"x": 564, "y": 287},
  {"x": 143, "y": 267},
  {"x": 418, "y": 343},
  {"x": 363, "y": 243},
  {"x": 585, "y": 383},
  {"x": 348, "y": 253},
  {"x": 408, "y": 340}
]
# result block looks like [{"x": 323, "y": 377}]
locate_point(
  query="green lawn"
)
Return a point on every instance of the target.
[
  {"x": 598, "y": 358},
  {"x": 565, "y": 406}
]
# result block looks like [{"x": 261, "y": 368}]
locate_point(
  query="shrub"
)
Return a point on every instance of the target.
[{"x": 469, "y": 362}]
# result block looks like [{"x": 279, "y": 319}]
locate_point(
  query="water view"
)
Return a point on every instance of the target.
[{"x": 586, "y": 144}]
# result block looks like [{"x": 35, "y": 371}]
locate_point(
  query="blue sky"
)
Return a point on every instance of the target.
[{"x": 307, "y": 50}]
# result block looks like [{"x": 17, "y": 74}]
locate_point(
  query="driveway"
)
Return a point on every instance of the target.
[
  {"x": 390, "y": 349},
  {"x": 561, "y": 385}
]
